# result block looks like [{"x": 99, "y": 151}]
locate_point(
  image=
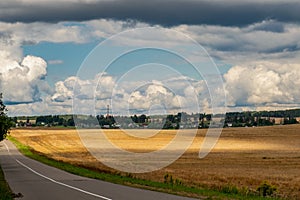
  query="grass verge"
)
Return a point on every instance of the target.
[
  {"x": 130, "y": 180},
  {"x": 5, "y": 192}
]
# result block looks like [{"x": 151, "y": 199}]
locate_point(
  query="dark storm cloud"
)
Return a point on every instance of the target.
[
  {"x": 286, "y": 48},
  {"x": 162, "y": 12}
]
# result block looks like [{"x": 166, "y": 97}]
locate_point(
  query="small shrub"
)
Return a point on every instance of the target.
[
  {"x": 170, "y": 180},
  {"x": 166, "y": 178},
  {"x": 178, "y": 182},
  {"x": 230, "y": 189},
  {"x": 129, "y": 175},
  {"x": 246, "y": 191},
  {"x": 266, "y": 189}
]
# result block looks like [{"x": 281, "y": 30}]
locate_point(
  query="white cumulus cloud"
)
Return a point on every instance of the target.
[
  {"x": 23, "y": 83},
  {"x": 263, "y": 83}
]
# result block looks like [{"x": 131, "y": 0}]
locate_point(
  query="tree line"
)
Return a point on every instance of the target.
[
  {"x": 261, "y": 118},
  {"x": 170, "y": 121}
]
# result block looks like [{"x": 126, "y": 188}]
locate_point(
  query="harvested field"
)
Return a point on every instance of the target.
[{"x": 243, "y": 157}]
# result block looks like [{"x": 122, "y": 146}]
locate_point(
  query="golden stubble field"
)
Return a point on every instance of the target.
[{"x": 243, "y": 157}]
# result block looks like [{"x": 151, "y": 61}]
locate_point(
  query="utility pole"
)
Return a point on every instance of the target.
[{"x": 107, "y": 112}]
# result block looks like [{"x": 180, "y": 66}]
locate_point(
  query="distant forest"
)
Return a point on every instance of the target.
[{"x": 171, "y": 121}]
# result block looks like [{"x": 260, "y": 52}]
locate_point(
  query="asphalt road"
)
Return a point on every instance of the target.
[{"x": 36, "y": 181}]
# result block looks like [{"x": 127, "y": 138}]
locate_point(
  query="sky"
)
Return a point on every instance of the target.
[{"x": 78, "y": 56}]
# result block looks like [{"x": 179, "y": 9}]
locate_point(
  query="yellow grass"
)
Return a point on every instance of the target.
[{"x": 243, "y": 157}]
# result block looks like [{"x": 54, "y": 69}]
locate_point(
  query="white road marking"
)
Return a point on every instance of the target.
[
  {"x": 6, "y": 147},
  {"x": 56, "y": 182}
]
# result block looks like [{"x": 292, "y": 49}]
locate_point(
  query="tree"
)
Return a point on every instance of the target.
[
  {"x": 135, "y": 119},
  {"x": 5, "y": 122},
  {"x": 71, "y": 122},
  {"x": 142, "y": 118}
]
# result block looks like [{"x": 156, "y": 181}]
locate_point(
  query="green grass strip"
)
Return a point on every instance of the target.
[
  {"x": 5, "y": 192},
  {"x": 129, "y": 180}
]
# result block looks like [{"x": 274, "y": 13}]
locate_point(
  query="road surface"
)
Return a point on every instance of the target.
[{"x": 36, "y": 181}]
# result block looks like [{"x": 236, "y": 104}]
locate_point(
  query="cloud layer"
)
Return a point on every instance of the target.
[
  {"x": 263, "y": 50},
  {"x": 168, "y": 96},
  {"x": 165, "y": 13},
  {"x": 257, "y": 86}
]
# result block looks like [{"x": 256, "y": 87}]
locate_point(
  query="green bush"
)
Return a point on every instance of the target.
[
  {"x": 169, "y": 180},
  {"x": 266, "y": 189}
]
